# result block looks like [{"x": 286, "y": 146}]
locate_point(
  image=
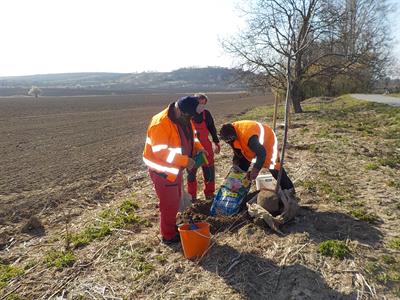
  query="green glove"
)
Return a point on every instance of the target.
[{"x": 200, "y": 159}]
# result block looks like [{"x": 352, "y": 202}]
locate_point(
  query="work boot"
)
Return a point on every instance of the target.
[
  {"x": 291, "y": 192},
  {"x": 209, "y": 198},
  {"x": 175, "y": 240}
]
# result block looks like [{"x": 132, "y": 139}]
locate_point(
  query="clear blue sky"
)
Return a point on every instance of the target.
[{"x": 57, "y": 36}]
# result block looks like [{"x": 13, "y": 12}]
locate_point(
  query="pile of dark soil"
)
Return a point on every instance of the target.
[{"x": 200, "y": 212}]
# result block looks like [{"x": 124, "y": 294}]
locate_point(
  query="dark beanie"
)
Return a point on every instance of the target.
[
  {"x": 188, "y": 105},
  {"x": 227, "y": 132}
]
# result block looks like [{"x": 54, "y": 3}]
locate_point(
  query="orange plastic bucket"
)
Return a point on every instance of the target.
[{"x": 195, "y": 242}]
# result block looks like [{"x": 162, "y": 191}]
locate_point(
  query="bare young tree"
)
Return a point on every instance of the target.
[
  {"x": 311, "y": 40},
  {"x": 35, "y": 91},
  {"x": 357, "y": 52},
  {"x": 279, "y": 35}
]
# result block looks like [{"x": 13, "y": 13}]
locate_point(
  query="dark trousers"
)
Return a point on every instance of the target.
[
  {"x": 209, "y": 181},
  {"x": 244, "y": 164}
]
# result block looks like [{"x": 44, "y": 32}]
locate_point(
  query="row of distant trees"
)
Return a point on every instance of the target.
[{"x": 330, "y": 46}]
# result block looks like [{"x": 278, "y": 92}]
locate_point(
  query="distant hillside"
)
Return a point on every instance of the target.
[{"x": 186, "y": 79}]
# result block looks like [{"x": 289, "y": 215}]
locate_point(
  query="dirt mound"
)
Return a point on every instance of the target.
[
  {"x": 33, "y": 227},
  {"x": 200, "y": 211}
]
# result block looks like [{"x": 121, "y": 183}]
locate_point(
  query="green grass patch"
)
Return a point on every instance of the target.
[
  {"x": 327, "y": 188},
  {"x": 162, "y": 259},
  {"x": 367, "y": 128},
  {"x": 29, "y": 264},
  {"x": 334, "y": 248},
  {"x": 309, "y": 185},
  {"x": 372, "y": 166},
  {"x": 356, "y": 116},
  {"x": 111, "y": 218},
  {"x": 128, "y": 205},
  {"x": 395, "y": 243},
  {"x": 362, "y": 214},
  {"x": 89, "y": 234},
  {"x": 7, "y": 273},
  {"x": 261, "y": 113},
  {"x": 385, "y": 270},
  {"x": 137, "y": 258},
  {"x": 391, "y": 161},
  {"x": 304, "y": 130},
  {"x": 140, "y": 263},
  {"x": 60, "y": 259},
  {"x": 314, "y": 148}
]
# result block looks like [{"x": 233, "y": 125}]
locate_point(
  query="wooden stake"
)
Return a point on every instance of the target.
[
  {"x": 275, "y": 113},
  {"x": 288, "y": 76}
]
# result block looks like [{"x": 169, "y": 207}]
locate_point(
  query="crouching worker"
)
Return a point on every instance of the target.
[
  {"x": 254, "y": 142},
  {"x": 170, "y": 147}
]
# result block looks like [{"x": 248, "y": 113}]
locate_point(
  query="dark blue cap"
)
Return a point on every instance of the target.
[{"x": 188, "y": 105}]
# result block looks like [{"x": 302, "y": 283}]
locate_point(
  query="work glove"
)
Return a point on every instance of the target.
[
  {"x": 254, "y": 173},
  {"x": 217, "y": 148},
  {"x": 204, "y": 151},
  {"x": 191, "y": 164},
  {"x": 200, "y": 159}
]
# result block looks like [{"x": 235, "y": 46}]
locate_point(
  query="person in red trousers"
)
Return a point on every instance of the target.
[
  {"x": 204, "y": 125},
  {"x": 170, "y": 146}
]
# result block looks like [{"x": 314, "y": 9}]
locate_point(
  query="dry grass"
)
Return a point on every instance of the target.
[{"x": 329, "y": 147}]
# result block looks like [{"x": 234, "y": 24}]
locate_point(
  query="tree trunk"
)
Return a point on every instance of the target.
[
  {"x": 296, "y": 88},
  {"x": 296, "y": 96},
  {"x": 297, "y": 106}
]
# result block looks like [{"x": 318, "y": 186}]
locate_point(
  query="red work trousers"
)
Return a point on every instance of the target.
[
  {"x": 208, "y": 174},
  {"x": 169, "y": 195}
]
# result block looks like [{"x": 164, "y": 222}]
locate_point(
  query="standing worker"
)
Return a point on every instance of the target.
[
  {"x": 170, "y": 147},
  {"x": 204, "y": 125},
  {"x": 254, "y": 142}
]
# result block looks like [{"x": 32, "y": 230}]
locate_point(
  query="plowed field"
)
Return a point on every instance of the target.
[{"x": 63, "y": 150}]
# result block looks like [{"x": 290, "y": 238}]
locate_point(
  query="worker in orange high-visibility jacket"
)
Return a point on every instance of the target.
[
  {"x": 170, "y": 146},
  {"x": 253, "y": 142}
]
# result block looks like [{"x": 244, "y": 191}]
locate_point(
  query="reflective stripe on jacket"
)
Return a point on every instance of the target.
[
  {"x": 163, "y": 150},
  {"x": 266, "y": 137}
]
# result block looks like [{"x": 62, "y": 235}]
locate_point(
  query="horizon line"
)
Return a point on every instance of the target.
[{"x": 106, "y": 72}]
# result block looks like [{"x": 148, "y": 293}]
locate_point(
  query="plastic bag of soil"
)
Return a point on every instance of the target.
[
  {"x": 231, "y": 194},
  {"x": 186, "y": 198}
]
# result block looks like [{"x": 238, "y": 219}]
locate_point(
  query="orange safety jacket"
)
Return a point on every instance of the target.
[
  {"x": 266, "y": 137},
  {"x": 163, "y": 150}
]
